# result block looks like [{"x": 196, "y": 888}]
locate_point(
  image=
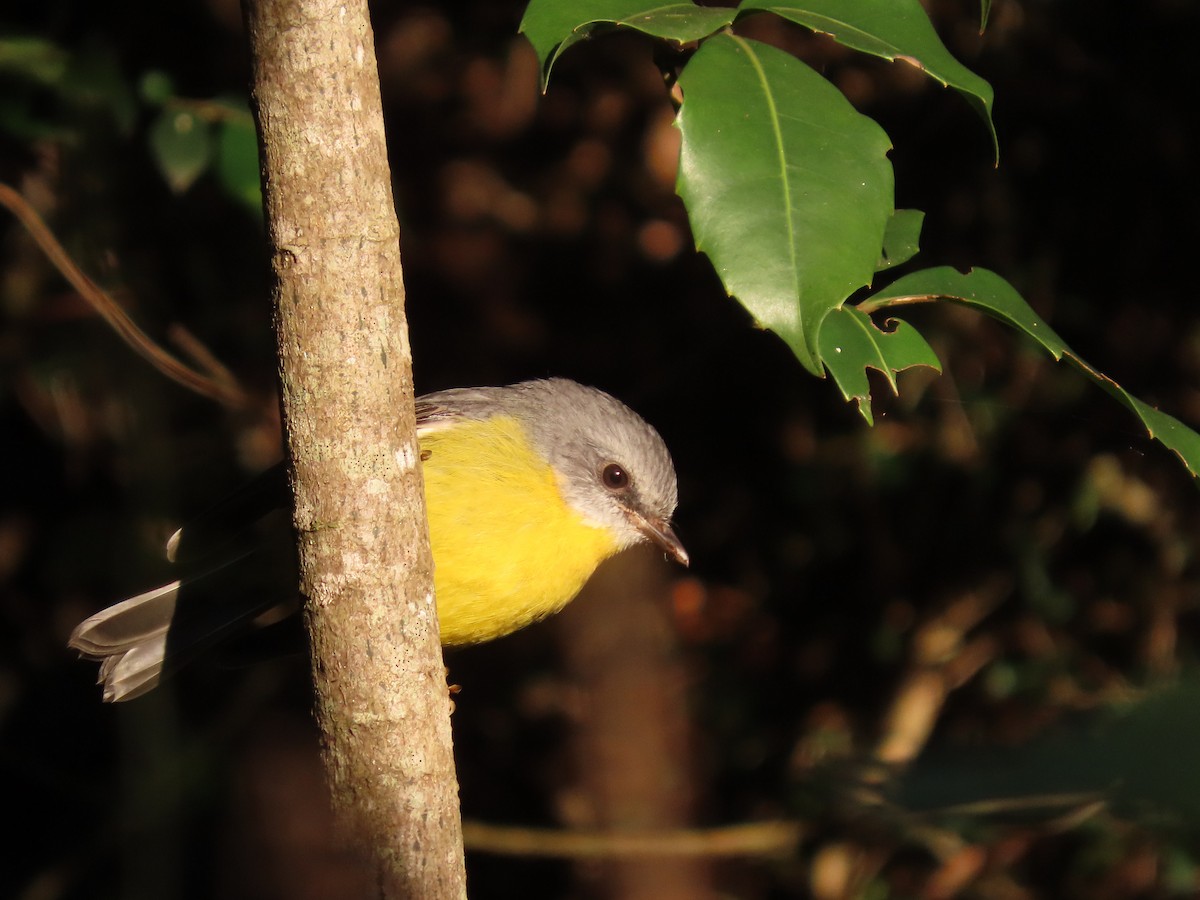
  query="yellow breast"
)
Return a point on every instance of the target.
[{"x": 507, "y": 549}]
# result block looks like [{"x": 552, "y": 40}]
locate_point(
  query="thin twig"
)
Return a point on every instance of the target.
[
  {"x": 224, "y": 389},
  {"x": 753, "y": 839},
  {"x": 192, "y": 347},
  {"x": 1084, "y": 803},
  {"x": 871, "y": 305}
]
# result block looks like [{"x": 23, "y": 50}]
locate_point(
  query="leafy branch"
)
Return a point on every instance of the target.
[{"x": 789, "y": 190}]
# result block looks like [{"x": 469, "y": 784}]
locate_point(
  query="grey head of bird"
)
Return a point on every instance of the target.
[{"x": 612, "y": 467}]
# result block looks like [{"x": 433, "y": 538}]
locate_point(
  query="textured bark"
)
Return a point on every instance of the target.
[{"x": 346, "y": 374}]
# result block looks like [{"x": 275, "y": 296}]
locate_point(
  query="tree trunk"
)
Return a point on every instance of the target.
[
  {"x": 346, "y": 372},
  {"x": 632, "y": 738}
]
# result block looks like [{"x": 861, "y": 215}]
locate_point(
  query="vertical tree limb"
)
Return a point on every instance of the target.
[
  {"x": 633, "y": 737},
  {"x": 346, "y": 373}
]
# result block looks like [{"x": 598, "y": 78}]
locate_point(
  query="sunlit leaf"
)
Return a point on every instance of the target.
[
  {"x": 988, "y": 292},
  {"x": 788, "y": 189},
  {"x": 851, "y": 343},
  {"x": 901, "y": 240},
  {"x": 553, "y": 27},
  {"x": 892, "y": 29}
]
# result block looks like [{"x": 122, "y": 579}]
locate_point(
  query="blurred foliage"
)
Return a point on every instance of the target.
[
  {"x": 1001, "y": 559},
  {"x": 49, "y": 89}
]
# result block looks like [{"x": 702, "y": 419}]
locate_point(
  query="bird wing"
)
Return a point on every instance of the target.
[
  {"x": 226, "y": 522},
  {"x": 442, "y": 409}
]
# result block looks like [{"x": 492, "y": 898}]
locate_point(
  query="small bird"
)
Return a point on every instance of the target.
[{"x": 528, "y": 488}]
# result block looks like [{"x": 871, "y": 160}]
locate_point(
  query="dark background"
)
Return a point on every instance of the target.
[{"x": 541, "y": 237}]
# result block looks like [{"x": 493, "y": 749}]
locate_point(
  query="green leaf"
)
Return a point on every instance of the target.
[
  {"x": 980, "y": 289},
  {"x": 680, "y": 23},
  {"x": 25, "y": 120},
  {"x": 33, "y": 58},
  {"x": 985, "y": 9},
  {"x": 851, "y": 343},
  {"x": 989, "y": 293},
  {"x": 788, "y": 189},
  {"x": 237, "y": 161},
  {"x": 182, "y": 145},
  {"x": 156, "y": 87},
  {"x": 892, "y": 29},
  {"x": 95, "y": 80},
  {"x": 901, "y": 240},
  {"x": 1137, "y": 755},
  {"x": 553, "y": 26}
]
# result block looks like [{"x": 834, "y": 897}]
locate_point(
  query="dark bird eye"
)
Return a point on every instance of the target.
[{"x": 615, "y": 478}]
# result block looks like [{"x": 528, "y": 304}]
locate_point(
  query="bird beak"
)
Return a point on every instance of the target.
[{"x": 658, "y": 531}]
